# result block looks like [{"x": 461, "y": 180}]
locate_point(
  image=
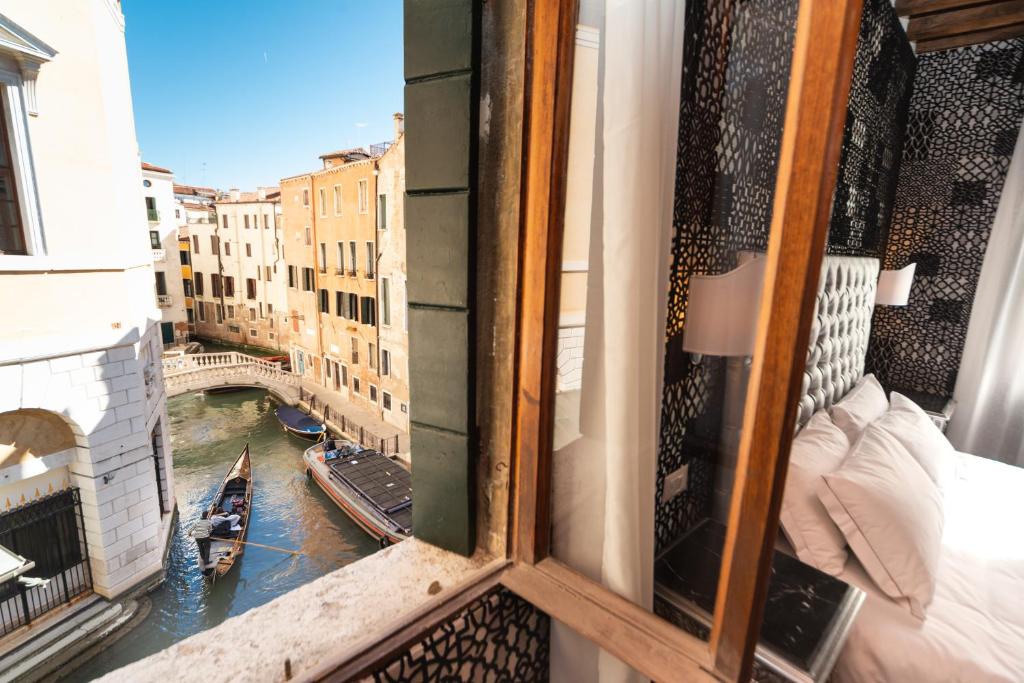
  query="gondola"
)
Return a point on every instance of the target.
[
  {"x": 298, "y": 423},
  {"x": 224, "y": 550},
  {"x": 373, "y": 490}
]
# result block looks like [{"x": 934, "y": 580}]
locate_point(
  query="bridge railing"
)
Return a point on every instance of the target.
[{"x": 203, "y": 361}]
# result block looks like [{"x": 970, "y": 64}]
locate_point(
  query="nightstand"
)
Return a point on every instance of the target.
[
  {"x": 807, "y": 615},
  {"x": 939, "y": 408},
  {"x": 942, "y": 417}
]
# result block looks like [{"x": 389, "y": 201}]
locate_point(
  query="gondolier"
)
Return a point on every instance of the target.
[{"x": 201, "y": 531}]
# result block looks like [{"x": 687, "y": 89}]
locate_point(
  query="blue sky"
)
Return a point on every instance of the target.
[{"x": 240, "y": 94}]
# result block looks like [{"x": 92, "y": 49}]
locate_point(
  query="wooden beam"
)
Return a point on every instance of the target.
[
  {"x": 914, "y": 8},
  {"x": 969, "y": 20},
  {"x": 652, "y": 646},
  {"x": 550, "y": 50},
  {"x": 965, "y": 39},
  {"x": 822, "y": 67}
]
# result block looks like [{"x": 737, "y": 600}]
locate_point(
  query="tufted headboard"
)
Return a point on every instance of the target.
[{"x": 839, "y": 334}]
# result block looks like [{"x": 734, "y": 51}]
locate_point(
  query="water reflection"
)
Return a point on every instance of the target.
[{"x": 289, "y": 511}]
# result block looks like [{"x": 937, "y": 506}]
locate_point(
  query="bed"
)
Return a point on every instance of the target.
[{"x": 973, "y": 627}]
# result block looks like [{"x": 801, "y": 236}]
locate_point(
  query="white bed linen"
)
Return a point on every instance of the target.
[{"x": 974, "y": 627}]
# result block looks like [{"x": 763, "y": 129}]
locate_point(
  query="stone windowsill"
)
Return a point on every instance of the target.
[{"x": 316, "y": 623}]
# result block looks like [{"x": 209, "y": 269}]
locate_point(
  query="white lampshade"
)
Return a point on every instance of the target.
[
  {"x": 894, "y": 286},
  {"x": 721, "y": 313}
]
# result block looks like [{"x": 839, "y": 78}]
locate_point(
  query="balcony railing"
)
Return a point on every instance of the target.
[
  {"x": 351, "y": 272},
  {"x": 379, "y": 148},
  {"x": 163, "y": 300},
  {"x": 370, "y": 275},
  {"x": 153, "y": 215},
  {"x": 159, "y": 255}
]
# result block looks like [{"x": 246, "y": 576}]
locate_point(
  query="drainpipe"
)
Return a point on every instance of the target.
[
  {"x": 376, "y": 282},
  {"x": 316, "y": 280},
  {"x": 220, "y": 274}
]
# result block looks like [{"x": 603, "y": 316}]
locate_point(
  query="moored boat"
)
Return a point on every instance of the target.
[
  {"x": 373, "y": 490},
  {"x": 298, "y": 423},
  {"x": 225, "y": 548}
]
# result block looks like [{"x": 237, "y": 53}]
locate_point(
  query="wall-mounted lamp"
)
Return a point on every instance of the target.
[
  {"x": 109, "y": 477},
  {"x": 721, "y": 311},
  {"x": 894, "y": 286}
]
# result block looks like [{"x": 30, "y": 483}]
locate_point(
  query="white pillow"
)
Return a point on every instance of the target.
[
  {"x": 891, "y": 514},
  {"x": 818, "y": 449},
  {"x": 921, "y": 437},
  {"x": 859, "y": 408}
]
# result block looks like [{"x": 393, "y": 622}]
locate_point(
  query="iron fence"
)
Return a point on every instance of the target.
[
  {"x": 387, "y": 445},
  {"x": 51, "y": 532}
]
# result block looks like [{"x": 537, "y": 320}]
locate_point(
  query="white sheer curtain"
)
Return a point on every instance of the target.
[
  {"x": 605, "y": 480},
  {"x": 989, "y": 417}
]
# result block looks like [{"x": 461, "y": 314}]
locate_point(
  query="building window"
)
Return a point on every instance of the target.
[
  {"x": 353, "y": 260},
  {"x": 214, "y": 244},
  {"x": 385, "y": 301},
  {"x": 154, "y": 239},
  {"x": 293, "y": 276},
  {"x": 224, "y": 221},
  {"x": 197, "y": 279},
  {"x": 307, "y": 280},
  {"x": 245, "y": 218},
  {"x": 183, "y": 256},
  {"x": 355, "y": 351},
  {"x": 186, "y": 285},
  {"x": 227, "y": 248},
  {"x": 229, "y": 285},
  {"x": 324, "y": 301},
  {"x": 151, "y": 213},
  {"x": 405, "y": 407},
  {"x": 339, "y": 303},
  {"x": 355, "y": 385},
  {"x": 353, "y": 307},
  {"x": 309, "y": 236},
  {"x": 253, "y": 332},
  {"x": 161, "y": 283},
  {"x": 270, "y": 309},
  {"x": 231, "y": 311},
  {"x": 386, "y": 400},
  {"x": 305, "y": 197},
  {"x": 373, "y": 393},
  {"x": 323, "y": 202},
  {"x": 201, "y": 308},
  {"x": 344, "y": 375},
  {"x": 266, "y": 221},
  {"x": 266, "y": 273},
  {"x": 12, "y": 232},
  {"x": 341, "y": 258},
  {"x": 234, "y": 328},
  {"x": 382, "y": 212},
  {"x": 248, "y": 249},
  {"x": 220, "y": 314},
  {"x": 368, "y": 310},
  {"x": 215, "y": 286},
  {"x": 337, "y": 200},
  {"x": 371, "y": 259},
  {"x": 323, "y": 257},
  {"x": 195, "y": 243},
  {"x": 385, "y": 362},
  {"x": 364, "y": 202},
  {"x": 261, "y": 309},
  {"x": 250, "y": 288},
  {"x": 252, "y": 314},
  {"x": 270, "y": 335}
]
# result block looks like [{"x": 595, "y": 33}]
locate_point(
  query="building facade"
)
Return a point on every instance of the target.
[
  {"x": 344, "y": 226},
  {"x": 84, "y": 444},
  {"x": 238, "y": 271},
  {"x": 162, "y": 219}
]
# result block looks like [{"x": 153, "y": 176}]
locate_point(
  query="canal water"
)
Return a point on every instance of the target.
[{"x": 207, "y": 434}]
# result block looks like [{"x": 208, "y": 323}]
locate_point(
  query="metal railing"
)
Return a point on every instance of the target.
[
  {"x": 159, "y": 255},
  {"x": 388, "y": 445},
  {"x": 164, "y": 300},
  {"x": 153, "y": 215},
  {"x": 51, "y": 532},
  {"x": 379, "y": 148}
]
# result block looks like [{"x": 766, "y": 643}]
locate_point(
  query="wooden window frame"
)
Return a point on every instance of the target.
[{"x": 821, "y": 71}]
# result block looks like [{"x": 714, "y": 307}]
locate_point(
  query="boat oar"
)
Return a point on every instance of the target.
[{"x": 258, "y": 545}]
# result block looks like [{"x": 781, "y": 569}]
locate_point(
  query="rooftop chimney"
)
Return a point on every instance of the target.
[
  {"x": 399, "y": 118},
  {"x": 261, "y": 193},
  {"x": 234, "y": 194}
]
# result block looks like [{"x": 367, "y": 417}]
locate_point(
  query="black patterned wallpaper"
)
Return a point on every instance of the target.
[
  {"x": 965, "y": 113},
  {"x": 876, "y": 117},
  {"x": 733, "y": 100},
  {"x": 731, "y": 114},
  {"x": 499, "y": 637}
]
